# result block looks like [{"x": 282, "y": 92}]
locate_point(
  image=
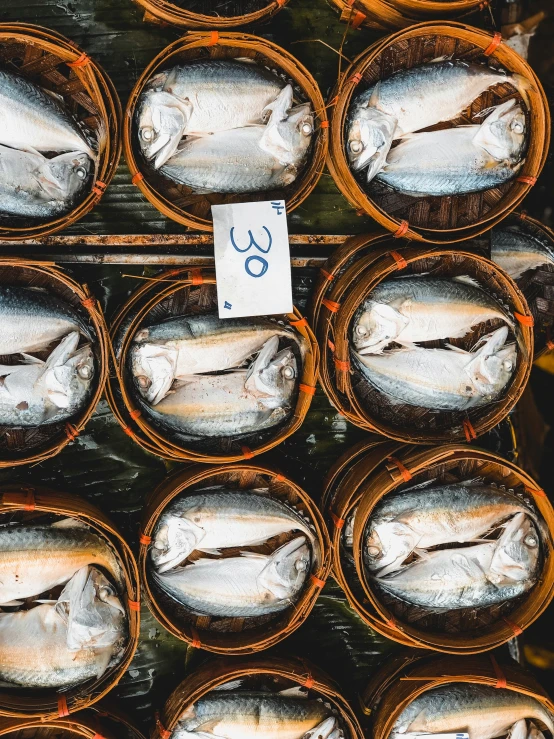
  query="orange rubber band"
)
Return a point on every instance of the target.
[
  {"x": 357, "y": 20},
  {"x": 82, "y": 61},
  {"x": 88, "y": 302},
  {"x": 342, "y": 366},
  {"x": 401, "y": 263},
  {"x": 392, "y": 624},
  {"x": 309, "y": 682},
  {"x": 214, "y": 38},
  {"x": 525, "y": 320},
  {"x": 324, "y": 124},
  {"x": 331, "y": 305},
  {"x": 307, "y": 389},
  {"x": 360, "y": 212},
  {"x": 339, "y": 522},
  {"x": 402, "y": 230},
  {"x": 550, "y": 345},
  {"x": 129, "y": 431},
  {"x": 501, "y": 681},
  {"x": 469, "y": 431},
  {"x": 356, "y": 78},
  {"x": 25, "y": 499},
  {"x": 331, "y": 345},
  {"x": 98, "y": 736},
  {"x": 514, "y": 627},
  {"x": 280, "y": 478},
  {"x": 135, "y": 414},
  {"x": 300, "y": 323},
  {"x": 164, "y": 733},
  {"x": 523, "y": 215},
  {"x": 537, "y": 492},
  {"x": 246, "y": 452},
  {"x": 527, "y": 180},
  {"x": 196, "y": 275},
  {"x": 327, "y": 275},
  {"x": 63, "y": 710},
  {"x": 145, "y": 540},
  {"x": 136, "y": 178},
  {"x": 280, "y": 3},
  {"x": 71, "y": 432},
  {"x": 134, "y": 605},
  {"x": 494, "y": 44},
  {"x": 404, "y": 471},
  {"x": 317, "y": 582}
]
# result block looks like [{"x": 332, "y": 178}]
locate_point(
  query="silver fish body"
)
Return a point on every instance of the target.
[
  {"x": 187, "y": 345},
  {"x": 251, "y": 715},
  {"x": 458, "y": 161},
  {"x": 482, "y": 711},
  {"x": 443, "y": 379},
  {"x": 246, "y": 586},
  {"x": 33, "y": 186},
  {"x": 63, "y": 644},
  {"x": 220, "y": 518},
  {"x": 30, "y": 117},
  {"x": 471, "y": 577},
  {"x": 40, "y": 393},
  {"x": 517, "y": 252},
  {"x": 32, "y": 319},
  {"x": 416, "y": 309},
  {"x": 426, "y": 517},
  {"x": 202, "y": 97}
]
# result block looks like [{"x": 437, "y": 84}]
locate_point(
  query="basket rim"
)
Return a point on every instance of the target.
[{"x": 171, "y": 13}]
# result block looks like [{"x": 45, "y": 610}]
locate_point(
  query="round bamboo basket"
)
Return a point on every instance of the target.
[
  {"x": 279, "y": 673},
  {"x": 56, "y": 64},
  {"x": 537, "y": 285},
  {"x": 466, "y": 631},
  {"x": 177, "y": 201},
  {"x": 233, "y": 635},
  {"x": 410, "y": 674},
  {"x": 344, "y": 284},
  {"x": 31, "y": 445},
  {"x": 93, "y": 723},
  {"x": 179, "y": 292},
  {"x": 242, "y": 13},
  {"x": 29, "y": 504},
  {"x": 438, "y": 219}
]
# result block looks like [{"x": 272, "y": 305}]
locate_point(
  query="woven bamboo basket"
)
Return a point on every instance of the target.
[
  {"x": 234, "y": 635},
  {"x": 179, "y": 292},
  {"x": 273, "y": 673},
  {"x": 30, "y": 504},
  {"x": 391, "y": 15},
  {"x": 410, "y": 674},
  {"x": 537, "y": 285},
  {"x": 238, "y": 13},
  {"x": 93, "y": 723},
  {"x": 438, "y": 219},
  {"x": 177, "y": 201},
  {"x": 56, "y": 64},
  {"x": 346, "y": 282},
  {"x": 31, "y": 445},
  {"x": 466, "y": 631}
]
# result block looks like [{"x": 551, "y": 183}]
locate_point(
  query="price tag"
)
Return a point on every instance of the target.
[{"x": 252, "y": 259}]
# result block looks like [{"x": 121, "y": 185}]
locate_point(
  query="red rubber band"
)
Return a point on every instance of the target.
[
  {"x": 280, "y": 478},
  {"x": 501, "y": 681},
  {"x": 402, "y": 230},
  {"x": 324, "y": 124},
  {"x": 357, "y": 19},
  {"x": 514, "y": 627},
  {"x": 537, "y": 492},
  {"x": 246, "y": 452},
  {"x": 527, "y": 180},
  {"x": 136, "y": 178},
  {"x": 469, "y": 431},
  {"x": 342, "y": 366},
  {"x": 356, "y": 78},
  {"x": 71, "y": 432},
  {"x": 307, "y": 389},
  {"x": 163, "y": 732},
  {"x": 88, "y": 302},
  {"x": 404, "y": 471},
  {"x": 135, "y": 414},
  {"x": 525, "y": 320},
  {"x": 327, "y": 275},
  {"x": 331, "y": 305},
  {"x": 401, "y": 263},
  {"x": 129, "y": 431},
  {"x": 339, "y": 522},
  {"x": 309, "y": 682},
  {"x": 134, "y": 605},
  {"x": 280, "y": 3},
  {"x": 317, "y": 582},
  {"x": 494, "y": 44},
  {"x": 145, "y": 540},
  {"x": 214, "y": 38},
  {"x": 63, "y": 710},
  {"x": 82, "y": 61},
  {"x": 196, "y": 276},
  {"x": 300, "y": 323}
]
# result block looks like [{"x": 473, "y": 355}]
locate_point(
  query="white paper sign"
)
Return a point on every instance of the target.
[{"x": 252, "y": 259}]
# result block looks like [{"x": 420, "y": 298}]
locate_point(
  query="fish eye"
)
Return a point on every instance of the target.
[
  {"x": 85, "y": 372},
  {"x": 144, "y": 382},
  {"x": 373, "y": 551},
  {"x": 307, "y": 128},
  {"x": 517, "y": 127},
  {"x": 508, "y": 365},
  {"x": 289, "y": 373},
  {"x": 147, "y": 133},
  {"x": 361, "y": 330},
  {"x": 530, "y": 540},
  {"x": 301, "y": 565},
  {"x": 356, "y": 147},
  {"x": 81, "y": 173}
]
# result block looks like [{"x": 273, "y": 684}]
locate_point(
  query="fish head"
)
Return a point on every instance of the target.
[
  {"x": 377, "y": 326},
  {"x": 288, "y": 139},
  {"x": 92, "y": 610},
  {"x": 493, "y": 365},
  {"x": 154, "y": 368},
  {"x": 370, "y": 136},
  {"x": 516, "y": 555},
  {"x": 174, "y": 540},
  {"x": 65, "y": 176},
  {"x": 273, "y": 375},
  {"x": 162, "y": 120},
  {"x": 503, "y": 134},
  {"x": 68, "y": 382},
  {"x": 288, "y": 568},
  {"x": 387, "y": 545}
]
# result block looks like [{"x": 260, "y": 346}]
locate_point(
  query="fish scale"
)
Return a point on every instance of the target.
[{"x": 517, "y": 252}]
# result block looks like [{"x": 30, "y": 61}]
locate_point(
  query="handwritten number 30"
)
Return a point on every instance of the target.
[{"x": 255, "y": 258}]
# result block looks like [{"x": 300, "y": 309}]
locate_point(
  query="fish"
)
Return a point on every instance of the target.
[
  {"x": 197, "y": 344},
  {"x": 413, "y": 99},
  {"x": 482, "y": 711},
  {"x": 458, "y": 161},
  {"x": 217, "y": 518},
  {"x": 245, "y": 160},
  {"x": 233, "y": 403},
  {"x": 517, "y": 252},
  {"x": 36, "y": 559},
  {"x": 443, "y": 379},
  {"x": 61, "y": 644},
  {"x": 256, "y": 715},
  {"x": 246, "y": 586},
  {"x": 202, "y": 97},
  {"x": 32, "y": 318},
  {"x": 32, "y": 186},
  {"x": 33, "y": 119},
  {"x": 38, "y": 393},
  {"x": 422, "y": 308},
  {"x": 425, "y": 516},
  {"x": 471, "y": 577}
]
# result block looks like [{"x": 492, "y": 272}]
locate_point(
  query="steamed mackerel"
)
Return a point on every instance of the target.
[
  {"x": 31, "y": 119},
  {"x": 413, "y": 309},
  {"x": 218, "y": 518},
  {"x": 484, "y": 712},
  {"x": 31, "y": 319},
  {"x": 517, "y": 252},
  {"x": 246, "y": 586},
  {"x": 425, "y": 517},
  {"x": 251, "y": 715},
  {"x": 35, "y": 559}
]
